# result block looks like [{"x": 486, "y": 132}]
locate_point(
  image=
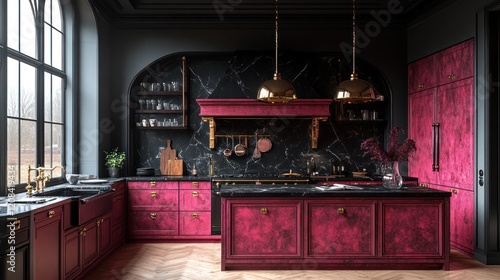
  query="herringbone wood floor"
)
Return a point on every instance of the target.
[{"x": 193, "y": 261}]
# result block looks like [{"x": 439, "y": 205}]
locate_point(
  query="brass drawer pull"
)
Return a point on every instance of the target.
[
  {"x": 263, "y": 211},
  {"x": 51, "y": 213},
  {"x": 451, "y": 76},
  {"x": 17, "y": 224},
  {"x": 424, "y": 185},
  {"x": 152, "y": 184},
  {"x": 195, "y": 215},
  {"x": 195, "y": 193},
  {"x": 453, "y": 191},
  {"x": 195, "y": 184},
  {"x": 341, "y": 210},
  {"x": 153, "y": 216},
  {"x": 421, "y": 85},
  {"x": 83, "y": 232},
  {"x": 154, "y": 194}
]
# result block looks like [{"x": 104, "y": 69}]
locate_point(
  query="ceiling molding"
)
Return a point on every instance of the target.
[{"x": 247, "y": 14}]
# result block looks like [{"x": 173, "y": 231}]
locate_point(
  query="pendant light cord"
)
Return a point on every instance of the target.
[
  {"x": 353, "y": 36},
  {"x": 276, "y": 39}
]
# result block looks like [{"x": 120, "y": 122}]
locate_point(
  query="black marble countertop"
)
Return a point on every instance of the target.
[
  {"x": 168, "y": 178},
  {"x": 311, "y": 190},
  {"x": 9, "y": 207}
]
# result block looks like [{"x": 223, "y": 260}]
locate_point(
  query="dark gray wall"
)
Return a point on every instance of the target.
[{"x": 133, "y": 49}]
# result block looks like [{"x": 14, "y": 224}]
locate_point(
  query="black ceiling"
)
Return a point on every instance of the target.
[{"x": 250, "y": 13}]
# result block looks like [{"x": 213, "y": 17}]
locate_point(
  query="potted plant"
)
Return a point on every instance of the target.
[{"x": 114, "y": 161}]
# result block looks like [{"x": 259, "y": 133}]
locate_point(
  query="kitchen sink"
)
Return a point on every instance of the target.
[
  {"x": 71, "y": 192},
  {"x": 86, "y": 203}
]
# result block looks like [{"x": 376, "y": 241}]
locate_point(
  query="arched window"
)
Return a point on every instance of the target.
[{"x": 33, "y": 80}]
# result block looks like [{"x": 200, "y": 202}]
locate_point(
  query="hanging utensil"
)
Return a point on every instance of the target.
[
  {"x": 264, "y": 144},
  {"x": 256, "y": 152},
  {"x": 239, "y": 149},
  {"x": 227, "y": 152}
]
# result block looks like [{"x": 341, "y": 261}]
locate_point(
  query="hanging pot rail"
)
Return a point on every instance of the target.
[{"x": 240, "y": 135}]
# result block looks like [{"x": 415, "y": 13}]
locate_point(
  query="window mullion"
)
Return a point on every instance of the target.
[{"x": 40, "y": 127}]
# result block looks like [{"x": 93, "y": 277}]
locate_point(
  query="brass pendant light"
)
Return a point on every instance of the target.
[
  {"x": 354, "y": 90},
  {"x": 276, "y": 90}
]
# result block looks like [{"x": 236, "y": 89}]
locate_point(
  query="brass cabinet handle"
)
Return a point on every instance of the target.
[
  {"x": 424, "y": 185},
  {"x": 99, "y": 222},
  {"x": 153, "y": 216},
  {"x": 51, "y": 213},
  {"x": 154, "y": 194},
  {"x": 195, "y": 184},
  {"x": 83, "y": 232},
  {"x": 341, "y": 210},
  {"x": 454, "y": 191},
  {"x": 195, "y": 215},
  {"x": 17, "y": 224},
  {"x": 263, "y": 211},
  {"x": 451, "y": 76},
  {"x": 195, "y": 193},
  {"x": 421, "y": 85},
  {"x": 152, "y": 184}
]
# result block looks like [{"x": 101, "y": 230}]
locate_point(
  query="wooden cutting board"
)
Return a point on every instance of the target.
[
  {"x": 167, "y": 154},
  {"x": 175, "y": 167}
]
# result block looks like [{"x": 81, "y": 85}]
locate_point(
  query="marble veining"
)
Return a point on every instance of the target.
[{"x": 239, "y": 75}]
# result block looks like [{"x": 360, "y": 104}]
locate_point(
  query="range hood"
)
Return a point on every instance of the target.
[{"x": 246, "y": 108}]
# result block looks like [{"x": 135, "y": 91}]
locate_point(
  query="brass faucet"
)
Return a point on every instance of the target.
[{"x": 40, "y": 179}]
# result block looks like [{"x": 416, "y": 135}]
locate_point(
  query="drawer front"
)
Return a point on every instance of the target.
[
  {"x": 153, "y": 223},
  {"x": 270, "y": 229},
  {"x": 194, "y": 200},
  {"x": 119, "y": 187},
  {"x": 200, "y": 185},
  {"x": 340, "y": 228},
  {"x": 152, "y": 199},
  {"x": 153, "y": 185},
  {"x": 49, "y": 214},
  {"x": 194, "y": 223}
]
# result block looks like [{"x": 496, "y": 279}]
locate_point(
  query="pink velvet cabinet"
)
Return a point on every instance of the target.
[
  {"x": 262, "y": 229},
  {"x": 169, "y": 210},
  {"x": 194, "y": 208},
  {"x": 340, "y": 228},
  {"x": 461, "y": 218},
  {"x": 441, "y": 121},
  {"x": 335, "y": 233}
]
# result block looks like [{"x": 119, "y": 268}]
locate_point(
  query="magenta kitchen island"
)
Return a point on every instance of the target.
[{"x": 302, "y": 227}]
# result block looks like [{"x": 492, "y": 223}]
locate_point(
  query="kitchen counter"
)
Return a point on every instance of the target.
[
  {"x": 353, "y": 227},
  {"x": 169, "y": 178},
  {"x": 12, "y": 209},
  {"x": 311, "y": 190}
]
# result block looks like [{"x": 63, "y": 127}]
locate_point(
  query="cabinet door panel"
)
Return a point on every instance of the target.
[
  {"x": 422, "y": 75},
  {"x": 461, "y": 218},
  {"x": 201, "y": 185},
  {"x": 72, "y": 253},
  {"x": 340, "y": 228},
  {"x": 270, "y": 229},
  {"x": 411, "y": 228},
  {"x": 456, "y": 63},
  {"x": 153, "y": 223},
  {"x": 118, "y": 212},
  {"x": 153, "y": 199},
  {"x": 455, "y": 108},
  {"x": 192, "y": 200},
  {"x": 90, "y": 245},
  {"x": 104, "y": 234},
  {"x": 174, "y": 185},
  {"x": 47, "y": 244},
  {"x": 194, "y": 223},
  {"x": 421, "y": 118}
]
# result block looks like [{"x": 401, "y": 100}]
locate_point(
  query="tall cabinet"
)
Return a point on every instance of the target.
[{"x": 441, "y": 121}]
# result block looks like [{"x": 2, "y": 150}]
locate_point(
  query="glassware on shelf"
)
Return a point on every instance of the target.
[
  {"x": 142, "y": 104},
  {"x": 175, "y": 86}
]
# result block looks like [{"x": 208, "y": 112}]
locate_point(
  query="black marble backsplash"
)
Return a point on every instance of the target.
[{"x": 239, "y": 75}]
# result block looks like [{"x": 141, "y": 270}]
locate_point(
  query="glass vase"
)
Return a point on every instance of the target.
[{"x": 392, "y": 178}]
